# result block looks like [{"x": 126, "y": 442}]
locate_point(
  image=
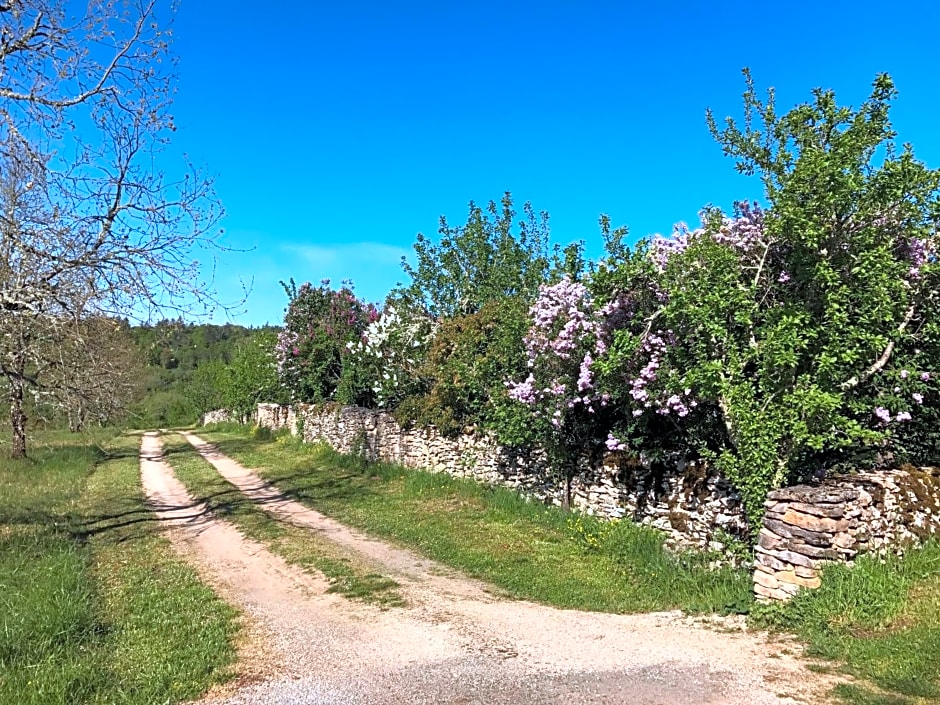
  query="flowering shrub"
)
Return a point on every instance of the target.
[
  {"x": 783, "y": 338},
  {"x": 559, "y": 344},
  {"x": 390, "y": 352},
  {"x": 318, "y": 325},
  {"x": 561, "y": 388}
]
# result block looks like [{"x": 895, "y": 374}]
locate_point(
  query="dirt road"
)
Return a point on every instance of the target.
[{"x": 455, "y": 642}]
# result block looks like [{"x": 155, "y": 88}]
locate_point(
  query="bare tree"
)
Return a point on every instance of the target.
[
  {"x": 97, "y": 376},
  {"x": 91, "y": 227}
]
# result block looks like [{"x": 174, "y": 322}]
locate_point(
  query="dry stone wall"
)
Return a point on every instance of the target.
[
  {"x": 217, "y": 416},
  {"x": 804, "y": 527},
  {"x": 807, "y": 526},
  {"x": 688, "y": 502}
]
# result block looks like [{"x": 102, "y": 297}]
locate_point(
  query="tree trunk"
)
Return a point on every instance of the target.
[
  {"x": 77, "y": 418},
  {"x": 17, "y": 418}
]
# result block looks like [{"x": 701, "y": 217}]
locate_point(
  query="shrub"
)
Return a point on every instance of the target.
[
  {"x": 384, "y": 364},
  {"x": 803, "y": 331},
  {"x": 469, "y": 361},
  {"x": 318, "y": 325}
]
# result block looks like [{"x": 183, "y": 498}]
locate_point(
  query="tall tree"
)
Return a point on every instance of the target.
[
  {"x": 252, "y": 376},
  {"x": 481, "y": 261},
  {"x": 786, "y": 339},
  {"x": 91, "y": 228}
]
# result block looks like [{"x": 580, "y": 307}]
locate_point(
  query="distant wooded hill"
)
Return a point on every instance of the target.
[{"x": 171, "y": 352}]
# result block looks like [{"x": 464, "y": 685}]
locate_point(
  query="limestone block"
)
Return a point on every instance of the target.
[
  {"x": 831, "y": 511},
  {"x": 815, "y": 552},
  {"x": 790, "y": 577},
  {"x": 770, "y": 594},
  {"x": 789, "y": 589},
  {"x": 788, "y": 556},
  {"x": 768, "y": 562},
  {"x": 813, "y": 538},
  {"x": 768, "y": 539},
  {"x": 844, "y": 540},
  {"x": 813, "y": 523}
]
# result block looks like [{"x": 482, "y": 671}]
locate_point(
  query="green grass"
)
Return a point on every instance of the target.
[
  {"x": 879, "y": 621},
  {"x": 526, "y": 549},
  {"x": 349, "y": 574},
  {"x": 94, "y": 605}
]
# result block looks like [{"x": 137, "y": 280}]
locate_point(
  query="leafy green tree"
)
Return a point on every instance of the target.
[
  {"x": 481, "y": 261},
  {"x": 804, "y": 331},
  {"x": 206, "y": 390},
  {"x": 252, "y": 376}
]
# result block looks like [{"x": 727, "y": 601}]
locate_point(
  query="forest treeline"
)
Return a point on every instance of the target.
[{"x": 181, "y": 365}]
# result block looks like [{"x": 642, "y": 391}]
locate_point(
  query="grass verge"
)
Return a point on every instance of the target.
[
  {"x": 879, "y": 621},
  {"x": 348, "y": 574},
  {"x": 94, "y": 605},
  {"x": 528, "y": 550}
]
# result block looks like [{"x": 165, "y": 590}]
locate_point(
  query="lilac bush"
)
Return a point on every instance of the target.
[
  {"x": 318, "y": 325},
  {"x": 778, "y": 340},
  {"x": 561, "y": 387},
  {"x": 390, "y": 352}
]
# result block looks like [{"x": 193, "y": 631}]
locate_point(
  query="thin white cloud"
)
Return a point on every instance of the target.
[
  {"x": 354, "y": 254},
  {"x": 373, "y": 267}
]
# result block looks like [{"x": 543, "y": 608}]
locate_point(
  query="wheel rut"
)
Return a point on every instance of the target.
[{"x": 455, "y": 642}]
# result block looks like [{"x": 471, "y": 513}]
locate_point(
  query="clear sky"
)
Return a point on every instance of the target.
[{"x": 338, "y": 131}]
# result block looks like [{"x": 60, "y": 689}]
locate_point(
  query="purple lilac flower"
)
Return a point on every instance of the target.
[
  {"x": 925, "y": 376},
  {"x": 903, "y": 416},
  {"x": 614, "y": 443},
  {"x": 904, "y": 374},
  {"x": 743, "y": 231},
  {"x": 564, "y": 331},
  {"x": 523, "y": 391},
  {"x": 655, "y": 347},
  {"x": 918, "y": 397},
  {"x": 918, "y": 255},
  {"x": 883, "y": 414},
  {"x": 585, "y": 377},
  {"x": 663, "y": 248}
]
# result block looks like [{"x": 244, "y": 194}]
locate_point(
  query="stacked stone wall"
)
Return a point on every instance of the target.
[
  {"x": 689, "y": 502},
  {"x": 806, "y": 527},
  {"x": 217, "y": 416}
]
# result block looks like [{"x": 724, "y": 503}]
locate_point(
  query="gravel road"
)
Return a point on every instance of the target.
[{"x": 455, "y": 642}]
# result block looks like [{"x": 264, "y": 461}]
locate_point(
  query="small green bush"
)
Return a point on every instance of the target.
[{"x": 468, "y": 363}]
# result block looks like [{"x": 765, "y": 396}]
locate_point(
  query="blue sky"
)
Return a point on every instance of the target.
[{"x": 338, "y": 131}]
